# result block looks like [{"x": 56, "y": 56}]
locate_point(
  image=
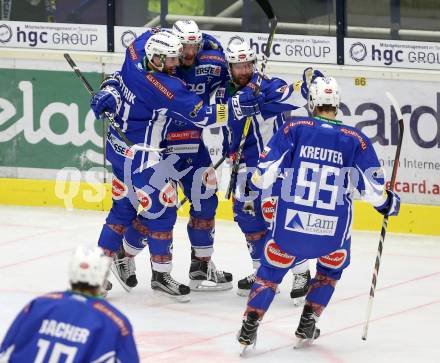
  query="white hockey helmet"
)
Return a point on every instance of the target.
[
  {"x": 163, "y": 44},
  {"x": 323, "y": 91},
  {"x": 187, "y": 31},
  {"x": 238, "y": 51},
  {"x": 89, "y": 265}
]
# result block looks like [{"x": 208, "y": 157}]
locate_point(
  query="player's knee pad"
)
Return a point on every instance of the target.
[
  {"x": 160, "y": 244},
  {"x": 201, "y": 234},
  {"x": 262, "y": 291},
  {"x": 333, "y": 264},
  {"x": 274, "y": 256},
  {"x": 321, "y": 289},
  {"x": 135, "y": 238},
  {"x": 255, "y": 244},
  {"x": 111, "y": 236}
]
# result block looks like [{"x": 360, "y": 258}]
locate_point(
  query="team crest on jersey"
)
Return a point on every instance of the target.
[
  {"x": 276, "y": 256},
  {"x": 209, "y": 178},
  {"x": 264, "y": 153},
  {"x": 144, "y": 199},
  {"x": 334, "y": 260},
  {"x": 269, "y": 208},
  {"x": 119, "y": 189},
  {"x": 168, "y": 195}
]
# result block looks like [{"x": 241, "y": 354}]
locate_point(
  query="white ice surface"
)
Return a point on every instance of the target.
[{"x": 35, "y": 245}]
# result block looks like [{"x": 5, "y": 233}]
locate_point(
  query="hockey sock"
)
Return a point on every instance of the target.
[
  {"x": 135, "y": 238},
  {"x": 321, "y": 289},
  {"x": 201, "y": 235},
  {"x": 111, "y": 237}
]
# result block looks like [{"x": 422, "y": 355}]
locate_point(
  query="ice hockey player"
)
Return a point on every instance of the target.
[
  {"x": 146, "y": 99},
  {"x": 202, "y": 69},
  {"x": 75, "y": 325},
  {"x": 322, "y": 160},
  {"x": 254, "y": 216}
]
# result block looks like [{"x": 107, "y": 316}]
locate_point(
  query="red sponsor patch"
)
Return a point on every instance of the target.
[
  {"x": 298, "y": 123},
  {"x": 328, "y": 90},
  {"x": 334, "y": 260},
  {"x": 192, "y": 37},
  {"x": 276, "y": 256},
  {"x": 241, "y": 56},
  {"x": 144, "y": 199},
  {"x": 356, "y": 135},
  {"x": 168, "y": 195},
  {"x": 212, "y": 57},
  {"x": 183, "y": 135},
  {"x": 156, "y": 83},
  {"x": 84, "y": 265},
  {"x": 112, "y": 315},
  {"x": 133, "y": 54},
  {"x": 119, "y": 189},
  {"x": 268, "y": 208}
]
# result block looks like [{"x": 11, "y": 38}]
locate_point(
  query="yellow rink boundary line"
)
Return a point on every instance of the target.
[{"x": 417, "y": 219}]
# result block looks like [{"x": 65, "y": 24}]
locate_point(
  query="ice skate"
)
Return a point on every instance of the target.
[
  {"x": 247, "y": 335},
  {"x": 245, "y": 285},
  {"x": 204, "y": 276},
  {"x": 106, "y": 287},
  {"x": 307, "y": 331},
  {"x": 300, "y": 287},
  {"x": 163, "y": 284},
  {"x": 124, "y": 268}
]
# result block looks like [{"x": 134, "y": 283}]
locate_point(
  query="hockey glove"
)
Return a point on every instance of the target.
[
  {"x": 106, "y": 100},
  {"x": 391, "y": 206},
  {"x": 309, "y": 76},
  {"x": 247, "y": 104}
]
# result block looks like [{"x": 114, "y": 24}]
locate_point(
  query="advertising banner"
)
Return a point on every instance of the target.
[
  {"x": 288, "y": 48},
  {"x": 46, "y": 125},
  {"x": 392, "y": 53},
  {"x": 34, "y": 35}
]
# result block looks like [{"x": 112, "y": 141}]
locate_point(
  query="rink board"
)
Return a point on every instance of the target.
[{"x": 417, "y": 219}]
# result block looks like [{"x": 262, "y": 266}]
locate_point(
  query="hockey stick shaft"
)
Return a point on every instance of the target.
[
  {"x": 267, "y": 8},
  {"x": 216, "y": 166},
  {"x": 385, "y": 219},
  {"x": 107, "y": 114}
]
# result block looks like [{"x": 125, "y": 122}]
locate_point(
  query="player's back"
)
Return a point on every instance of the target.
[
  {"x": 70, "y": 327},
  {"x": 319, "y": 158}
]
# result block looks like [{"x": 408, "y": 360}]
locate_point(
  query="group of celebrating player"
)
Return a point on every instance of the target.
[{"x": 293, "y": 196}]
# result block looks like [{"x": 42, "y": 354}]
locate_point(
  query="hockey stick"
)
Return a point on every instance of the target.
[
  {"x": 267, "y": 8},
  {"x": 216, "y": 166},
  {"x": 89, "y": 89},
  {"x": 385, "y": 219}
]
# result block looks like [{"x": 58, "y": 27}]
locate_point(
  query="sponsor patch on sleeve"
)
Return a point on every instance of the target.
[{"x": 222, "y": 113}]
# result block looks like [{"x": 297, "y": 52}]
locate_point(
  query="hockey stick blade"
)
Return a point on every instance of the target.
[{"x": 267, "y": 8}]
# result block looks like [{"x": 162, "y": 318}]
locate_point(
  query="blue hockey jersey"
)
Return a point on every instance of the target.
[
  {"x": 208, "y": 71},
  {"x": 321, "y": 161},
  {"x": 278, "y": 99},
  {"x": 151, "y": 101},
  {"x": 69, "y": 327}
]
